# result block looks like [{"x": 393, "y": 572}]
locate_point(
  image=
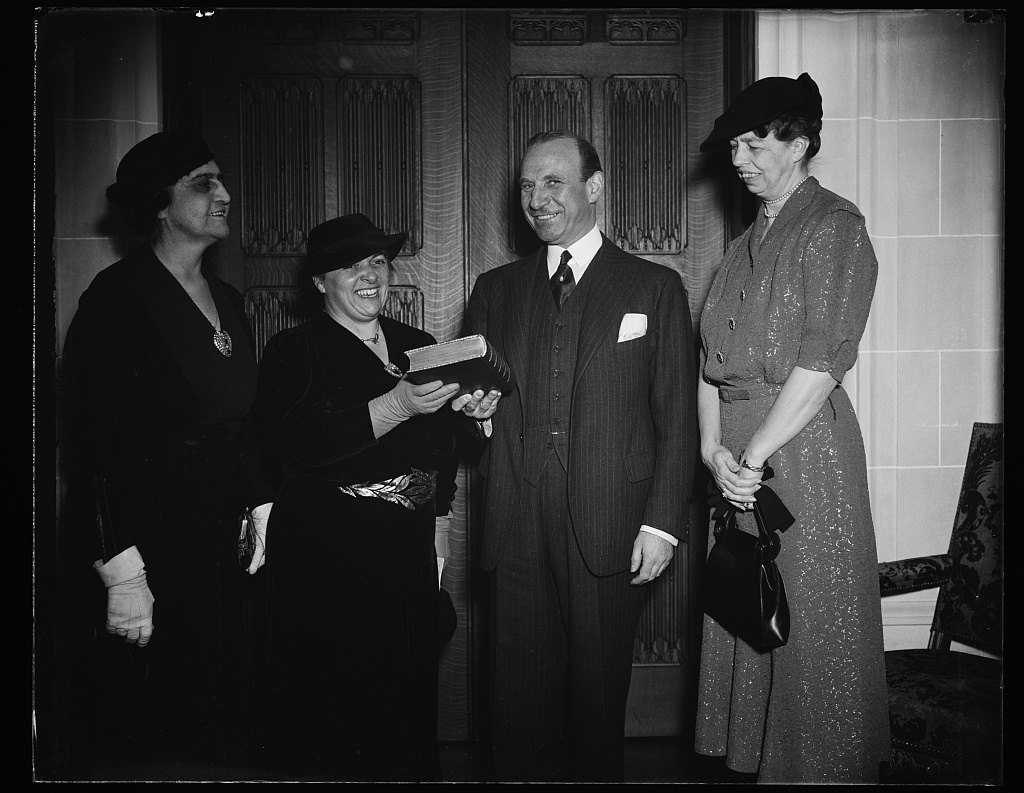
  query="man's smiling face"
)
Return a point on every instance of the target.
[{"x": 558, "y": 203}]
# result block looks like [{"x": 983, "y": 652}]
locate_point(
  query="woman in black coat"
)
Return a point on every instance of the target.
[
  {"x": 161, "y": 377},
  {"x": 369, "y": 463}
]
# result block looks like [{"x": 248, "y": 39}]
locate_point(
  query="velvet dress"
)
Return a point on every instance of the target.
[
  {"x": 815, "y": 710},
  {"x": 163, "y": 454},
  {"x": 354, "y": 594}
]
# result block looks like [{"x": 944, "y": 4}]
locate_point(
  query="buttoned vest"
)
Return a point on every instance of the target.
[{"x": 553, "y": 343}]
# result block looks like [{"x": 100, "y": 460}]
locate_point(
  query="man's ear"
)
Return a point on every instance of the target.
[{"x": 595, "y": 186}]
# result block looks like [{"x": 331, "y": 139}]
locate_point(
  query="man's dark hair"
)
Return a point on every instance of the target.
[{"x": 590, "y": 163}]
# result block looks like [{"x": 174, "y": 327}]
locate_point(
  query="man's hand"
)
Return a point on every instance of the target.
[
  {"x": 477, "y": 405},
  {"x": 651, "y": 555}
]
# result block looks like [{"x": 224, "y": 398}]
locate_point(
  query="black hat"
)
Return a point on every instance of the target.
[
  {"x": 346, "y": 240},
  {"x": 158, "y": 161},
  {"x": 765, "y": 101}
]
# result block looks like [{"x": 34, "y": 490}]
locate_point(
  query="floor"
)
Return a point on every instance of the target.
[
  {"x": 663, "y": 760},
  {"x": 648, "y": 760}
]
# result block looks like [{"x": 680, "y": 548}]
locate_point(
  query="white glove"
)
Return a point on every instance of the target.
[
  {"x": 129, "y": 601},
  {"x": 260, "y": 517},
  {"x": 442, "y": 525}
]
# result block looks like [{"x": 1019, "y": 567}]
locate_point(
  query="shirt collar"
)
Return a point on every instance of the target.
[{"x": 583, "y": 252}]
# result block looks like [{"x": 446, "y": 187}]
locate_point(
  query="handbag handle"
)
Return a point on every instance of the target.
[
  {"x": 768, "y": 543},
  {"x": 766, "y": 546}
]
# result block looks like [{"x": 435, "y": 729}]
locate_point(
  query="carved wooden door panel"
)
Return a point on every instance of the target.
[{"x": 417, "y": 119}]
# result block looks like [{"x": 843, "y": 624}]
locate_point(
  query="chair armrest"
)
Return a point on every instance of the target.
[{"x": 910, "y": 575}]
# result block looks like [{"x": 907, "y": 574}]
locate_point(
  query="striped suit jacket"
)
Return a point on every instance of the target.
[{"x": 633, "y": 439}]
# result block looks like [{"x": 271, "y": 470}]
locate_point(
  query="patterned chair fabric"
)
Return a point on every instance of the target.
[
  {"x": 970, "y": 604},
  {"x": 910, "y": 575},
  {"x": 945, "y": 706}
]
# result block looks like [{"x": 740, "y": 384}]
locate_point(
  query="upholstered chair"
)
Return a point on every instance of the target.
[{"x": 945, "y": 705}]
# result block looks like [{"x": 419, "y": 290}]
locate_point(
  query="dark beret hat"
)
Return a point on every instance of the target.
[
  {"x": 158, "y": 161},
  {"x": 346, "y": 240},
  {"x": 764, "y": 101}
]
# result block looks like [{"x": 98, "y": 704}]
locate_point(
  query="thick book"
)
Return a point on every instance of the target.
[{"x": 471, "y": 361}]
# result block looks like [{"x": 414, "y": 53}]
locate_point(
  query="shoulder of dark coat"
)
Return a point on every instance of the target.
[
  {"x": 416, "y": 337},
  {"x": 648, "y": 270}
]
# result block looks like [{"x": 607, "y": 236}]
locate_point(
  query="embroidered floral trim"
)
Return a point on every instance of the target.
[{"x": 409, "y": 490}]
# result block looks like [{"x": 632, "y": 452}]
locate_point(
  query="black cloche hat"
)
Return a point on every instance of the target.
[
  {"x": 158, "y": 161},
  {"x": 346, "y": 240},
  {"x": 763, "y": 101}
]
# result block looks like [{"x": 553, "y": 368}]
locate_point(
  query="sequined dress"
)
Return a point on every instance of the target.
[{"x": 814, "y": 710}]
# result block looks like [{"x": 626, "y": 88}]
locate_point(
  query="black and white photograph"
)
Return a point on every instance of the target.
[{"x": 719, "y": 497}]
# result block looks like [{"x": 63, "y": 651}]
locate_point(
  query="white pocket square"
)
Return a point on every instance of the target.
[{"x": 633, "y": 326}]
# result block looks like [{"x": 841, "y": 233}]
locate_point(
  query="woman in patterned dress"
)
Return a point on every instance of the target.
[{"x": 779, "y": 330}]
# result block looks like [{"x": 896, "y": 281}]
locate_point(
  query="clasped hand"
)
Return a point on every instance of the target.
[{"x": 738, "y": 484}]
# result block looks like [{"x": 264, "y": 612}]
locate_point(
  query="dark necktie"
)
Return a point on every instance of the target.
[{"x": 562, "y": 282}]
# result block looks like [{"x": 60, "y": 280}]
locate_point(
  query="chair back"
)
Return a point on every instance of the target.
[{"x": 969, "y": 608}]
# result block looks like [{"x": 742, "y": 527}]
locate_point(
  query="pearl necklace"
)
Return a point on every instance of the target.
[{"x": 782, "y": 197}]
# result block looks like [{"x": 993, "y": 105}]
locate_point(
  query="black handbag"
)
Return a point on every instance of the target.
[{"x": 744, "y": 591}]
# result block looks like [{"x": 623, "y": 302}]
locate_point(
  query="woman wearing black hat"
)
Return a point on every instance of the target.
[
  {"x": 369, "y": 462},
  {"x": 779, "y": 330},
  {"x": 161, "y": 378}
]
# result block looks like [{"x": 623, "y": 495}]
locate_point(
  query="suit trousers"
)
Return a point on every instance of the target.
[{"x": 563, "y": 649}]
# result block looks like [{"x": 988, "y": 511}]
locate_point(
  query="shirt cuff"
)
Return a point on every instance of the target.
[
  {"x": 486, "y": 428},
  {"x": 662, "y": 534},
  {"x": 262, "y": 512}
]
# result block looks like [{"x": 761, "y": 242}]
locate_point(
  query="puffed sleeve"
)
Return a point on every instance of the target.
[
  {"x": 294, "y": 399},
  {"x": 839, "y": 274}
]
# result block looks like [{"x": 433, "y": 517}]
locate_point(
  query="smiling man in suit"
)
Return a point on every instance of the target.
[{"x": 588, "y": 467}]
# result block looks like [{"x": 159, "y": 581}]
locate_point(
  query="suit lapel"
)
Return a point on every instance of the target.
[
  {"x": 614, "y": 280},
  {"x": 528, "y": 290}
]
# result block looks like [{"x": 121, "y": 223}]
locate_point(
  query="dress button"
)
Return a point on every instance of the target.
[
  {"x": 556, "y": 397},
  {"x": 732, "y": 324},
  {"x": 720, "y": 357},
  {"x": 556, "y": 421},
  {"x": 558, "y": 326},
  {"x": 550, "y": 445},
  {"x": 557, "y": 348},
  {"x": 743, "y": 294},
  {"x": 555, "y": 373}
]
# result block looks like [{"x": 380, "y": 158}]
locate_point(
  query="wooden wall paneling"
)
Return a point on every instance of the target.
[
  {"x": 488, "y": 196},
  {"x": 379, "y": 153},
  {"x": 708, "y": 186},
  {"x": 644, "y": 159},
  {"x": 281, "y": 177},
  {"x": 440, "y": 271},
  {"x": 441, "y": 260}
]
